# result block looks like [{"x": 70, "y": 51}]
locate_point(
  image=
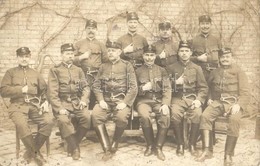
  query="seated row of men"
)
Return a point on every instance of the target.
[{"x": 168, "y": 92}]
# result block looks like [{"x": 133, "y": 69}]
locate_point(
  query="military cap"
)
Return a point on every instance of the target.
[
  {"x": 111, "y": 44},
  {"x": 91, "y": 23},
  {"x": 164, "y": 25},
  {"x": 149, "y": 49},
  {"x": 204, "y": 18},
  {"x": 22, "y": 51},
  {"x": 185, "y": 43},
  {"x": 132, "y": 16},
  {"x": 224, "y": 50},
  {"x": 67, "y": 47}
]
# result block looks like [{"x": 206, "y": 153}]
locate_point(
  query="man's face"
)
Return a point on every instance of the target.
[
  {"x": 132, "y": 25},
  {"x": 24, "y": 60},
  {"x": 205, "y": 27},
  {"x": 165, "y": 33},
  {"x": 91, "y": 32},
  {"x": 113, "y": 54},
  {"x": 67, "y": 56},
  {"x": 226, "y": 59},
  {"x": 184, "y": 53},
  {"x": 149, "y": 58}
]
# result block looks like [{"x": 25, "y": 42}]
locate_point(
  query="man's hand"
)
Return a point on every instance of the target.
[
  {"x": 63, "y": 112},
  {"x": 203, "y": 58},
  {"x": 196, "y": 103},
  {"x": 147, "y": 86},
  {"x": 45, "y": 106},
  {"x": 235, "y": 109},
  {"x": 25, "y": 89},
  {"x": 162, "y": 55},
  {"x": 164, "y": 109},
  {"x": 180, "y": 80},
  {"x": 82, "y": 105},
  {"x": 129, "y": 48},
  {"x": 120, "y": 106},
  {"x": 103, "y": 104},
  {"x": 209, "y": 102},
  {"x": 85, "y": 55}
]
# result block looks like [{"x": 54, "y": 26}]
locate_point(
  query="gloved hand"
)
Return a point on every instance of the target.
[
  {"x": 235, "y": 109},
  {"x": 209, "y": 102},
  {"x": 44, "y": 107},
  {"x": 148, "y": 86},
  {"x": 162, "y": 55},
  {"x": 180, "y": 80},
  {"x": 203, "y": 58},
  {"x": 164, "y": 109},
  {"x": 63, "y": 112},
  {"x": 85, "y": 55},
  {"x": 129, "y": 48},
  {"x": 82, "y": 105},
  {"x": 120, "y": 106},
  {"x": 25, "y": 89},
  {"x": 196, "y": 103},
  {"x": 103, "y": 104}
]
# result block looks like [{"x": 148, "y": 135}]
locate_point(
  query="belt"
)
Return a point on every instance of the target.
[
  {"x": 68, "y": 97},
  {"x": 91, "y": 70}
]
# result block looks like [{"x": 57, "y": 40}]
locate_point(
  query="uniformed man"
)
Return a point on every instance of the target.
[
  {"x": 166, "y": 49},
  {"x": 90, "y": 54},
  {"x": 27, "y": 89},
  {"x": 132, "y": 43},
  {"x": 154, "y": 96},
  {"x": 229, "y": 96},
  {"x": 68, "y": 93},
  {"x": 189, "y": 93},
  {"x": 205, "y": 47},
  {"x": 115, "y": 89}
]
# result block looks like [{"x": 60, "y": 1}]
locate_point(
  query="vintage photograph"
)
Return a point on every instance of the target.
[{"x": 129, "y": 82}]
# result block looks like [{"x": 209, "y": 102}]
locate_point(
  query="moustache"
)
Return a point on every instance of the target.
[{"x": 92, "y": 33}]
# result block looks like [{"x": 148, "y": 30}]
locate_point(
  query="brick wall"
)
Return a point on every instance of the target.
[{"x": 44, "y": 25}]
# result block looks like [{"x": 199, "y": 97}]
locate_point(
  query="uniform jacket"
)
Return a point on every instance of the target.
[
  {"x": 229, "y": 81},
  {"x": 116, "y": 78},
  {"x": 160, "y": 81},
  {"x": 194, "y": 81}
]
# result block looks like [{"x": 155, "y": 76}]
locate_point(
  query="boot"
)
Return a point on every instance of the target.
[
  {"x": 160, "y": 139},
  {"x": 72, "y": 147},
  {"x": 229, "y": 150},
  {"x": 102, "y": 134},
  {"x": 193, "y": 138},
  {"x": 207, "y": 146},
  {"x": 39, "y": 141},
  {"x": 80, "y": 134},
  {"x": 149, "y": 137},
  {"x": 117, "y": 135},
  {"x": 178, "y": 131}
]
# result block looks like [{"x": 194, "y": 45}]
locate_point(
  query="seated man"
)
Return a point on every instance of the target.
[
  {"x": 68, "y": 93},
  {"x": 154, "y": 96},
  {"x": 115, "y": 89},
  {"x": 189, "y": 92},
  {"x": 26, "y": 89},
  {"x": 229, "y": 95}
]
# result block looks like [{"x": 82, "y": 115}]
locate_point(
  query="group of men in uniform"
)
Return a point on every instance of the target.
[{"x": 113, "y": 79}]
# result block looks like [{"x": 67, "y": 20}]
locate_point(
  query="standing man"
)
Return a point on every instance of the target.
[
  {"x": 205, "y": 47},
  {"x": 27, "y": 89},
  {"x": 229, "y": 96},
  {"x": 115, "y": 89},
  {"x": 90, "y": 54},
  {"x": 68, "y": 93},
  {"x": 189, "y": 93},
  {"x": 166, "y": 49},
  {"x": 154, "y": 96},
  {"x": 132, "y": 43}
]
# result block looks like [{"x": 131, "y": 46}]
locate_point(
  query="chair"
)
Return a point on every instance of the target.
[{"x": 30, "y": 122}]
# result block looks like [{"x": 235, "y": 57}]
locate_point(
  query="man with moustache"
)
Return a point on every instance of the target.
[
  {"x": 132, "y": 43},
  {"x": 166, "y": 49},
  {"x": 115, "y": 88},
  {"x": 189, "y": 92},
  {"x": 90, "y": 54},
  {"x": 68, "y": 93},
  {"x": 205, "y": 47},
  {"x": 27, "y": 92},
  {"x": 154, "y": 96},
  {"x": 229, "y": 96}
]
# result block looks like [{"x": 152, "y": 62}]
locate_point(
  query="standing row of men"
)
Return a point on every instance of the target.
[{"x": 161, "y": 78}]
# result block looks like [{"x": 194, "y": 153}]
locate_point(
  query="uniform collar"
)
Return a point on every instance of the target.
[
  {"x": 148, "y": 66},
  {"x": 132, "y": 34},
  {"x": 23, "y": 67},
  {"x": 184, "y": 64},
  {"x": 66, "y": 65},
  {"x": 90, "y": 39},
  {"x": 204, "y": 35},
  {"x": 115, "y": 62},
  {"x": 163, "y": 40}
]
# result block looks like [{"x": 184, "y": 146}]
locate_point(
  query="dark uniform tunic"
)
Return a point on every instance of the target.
[
  {"x": 194, "y": 83},
  {"x": 206, "y": 44},
  {"x": 151, "y": 101},
  {"x": 227, "y": 83},
  {"x": 139, "y": 43},
  {"x": 171, "y": 50},
  {"x": 66, "y": 87},
  {"x": 19, "y": 111},
  {"x": 115, "y": 83}
]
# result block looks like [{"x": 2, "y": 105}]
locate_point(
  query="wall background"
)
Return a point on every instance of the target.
[{"x": 43, "y": 25}]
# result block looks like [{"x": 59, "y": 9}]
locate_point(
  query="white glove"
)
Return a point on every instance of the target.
[
  {"x": 164, "y": 109},
  {"x": 196, "y": 103},
  {"x": 85, "y": 55},
  {"x": 147, "y": 86},
  {"x": 203, "y": 58},
  {"x": 103, "y": 104},
  {"x": 162, "y": 55},
  {"x": 209, "y": 102},
  {"x": 180, "y": 80},
  {"x": 25, "y": 89},
  {"x": 82, "y": 105},
  {"x": 120, "y": 106},
  {"x": 63, "y": 112},
  {"x": 235, "y": 109},
  {"x": 129, "y": 48},
  {"x": 45, "y": 106}
]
